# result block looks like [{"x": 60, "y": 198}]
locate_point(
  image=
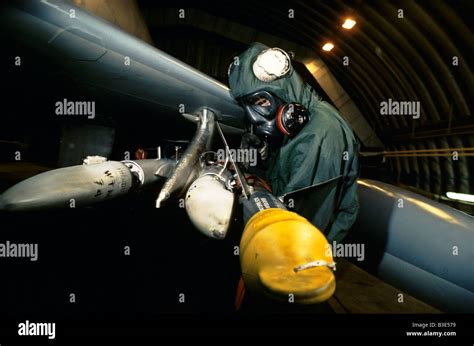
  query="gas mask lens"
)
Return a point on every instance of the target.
[{"x": 262, "y": 103}]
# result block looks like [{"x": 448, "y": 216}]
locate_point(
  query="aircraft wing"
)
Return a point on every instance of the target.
[{"x": 114, "y": 65}]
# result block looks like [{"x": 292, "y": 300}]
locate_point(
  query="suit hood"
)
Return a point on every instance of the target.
[{"x": 289, "y": 88}]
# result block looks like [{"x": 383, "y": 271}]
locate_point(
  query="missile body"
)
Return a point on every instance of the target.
[{"x": 83, "y": 185}]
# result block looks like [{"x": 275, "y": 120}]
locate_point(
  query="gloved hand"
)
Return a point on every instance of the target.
[
  {"x": 264, "y": 151},
  {"x": 251, "y": 141}
]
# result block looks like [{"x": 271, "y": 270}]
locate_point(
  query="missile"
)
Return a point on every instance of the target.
[{"x": 83, "y": 185}]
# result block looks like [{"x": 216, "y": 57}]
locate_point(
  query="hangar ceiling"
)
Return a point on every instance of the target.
[
  {"x": 407, "y": 58},
  {"x": 416, "y": 51}
]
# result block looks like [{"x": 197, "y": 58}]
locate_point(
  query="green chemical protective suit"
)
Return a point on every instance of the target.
[{"x": 324, "y": 149}]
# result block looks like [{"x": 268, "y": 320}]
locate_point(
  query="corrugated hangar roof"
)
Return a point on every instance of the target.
[{"x": 406, "y": 55}]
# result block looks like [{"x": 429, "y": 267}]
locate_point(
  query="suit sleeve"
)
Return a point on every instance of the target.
[
  {"x": 347, "y": 210},
  {"x": 315, "y": 160}
]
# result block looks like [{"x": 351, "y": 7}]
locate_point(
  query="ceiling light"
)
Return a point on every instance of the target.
[
  {"x": 349, "y": 23},
  {"x": 460, "y": 196},
  {"x": 328, "y": 46}
]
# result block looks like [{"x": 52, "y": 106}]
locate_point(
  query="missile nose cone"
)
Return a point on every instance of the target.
[
  {"x": 68, "y": 187},
  {"x": 16, "y": 197},
  {"x": 3, "y": 203},
  {"x": 37, "y": 192},
  {"x": 11, "y": 201}
]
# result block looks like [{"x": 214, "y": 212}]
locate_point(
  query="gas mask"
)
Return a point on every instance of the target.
[
  {"x": 268, "y": 117},
  {"x": 271, "y": 118}
]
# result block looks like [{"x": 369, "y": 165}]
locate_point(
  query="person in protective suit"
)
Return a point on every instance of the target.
[{"x": 303, "y": 139}]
